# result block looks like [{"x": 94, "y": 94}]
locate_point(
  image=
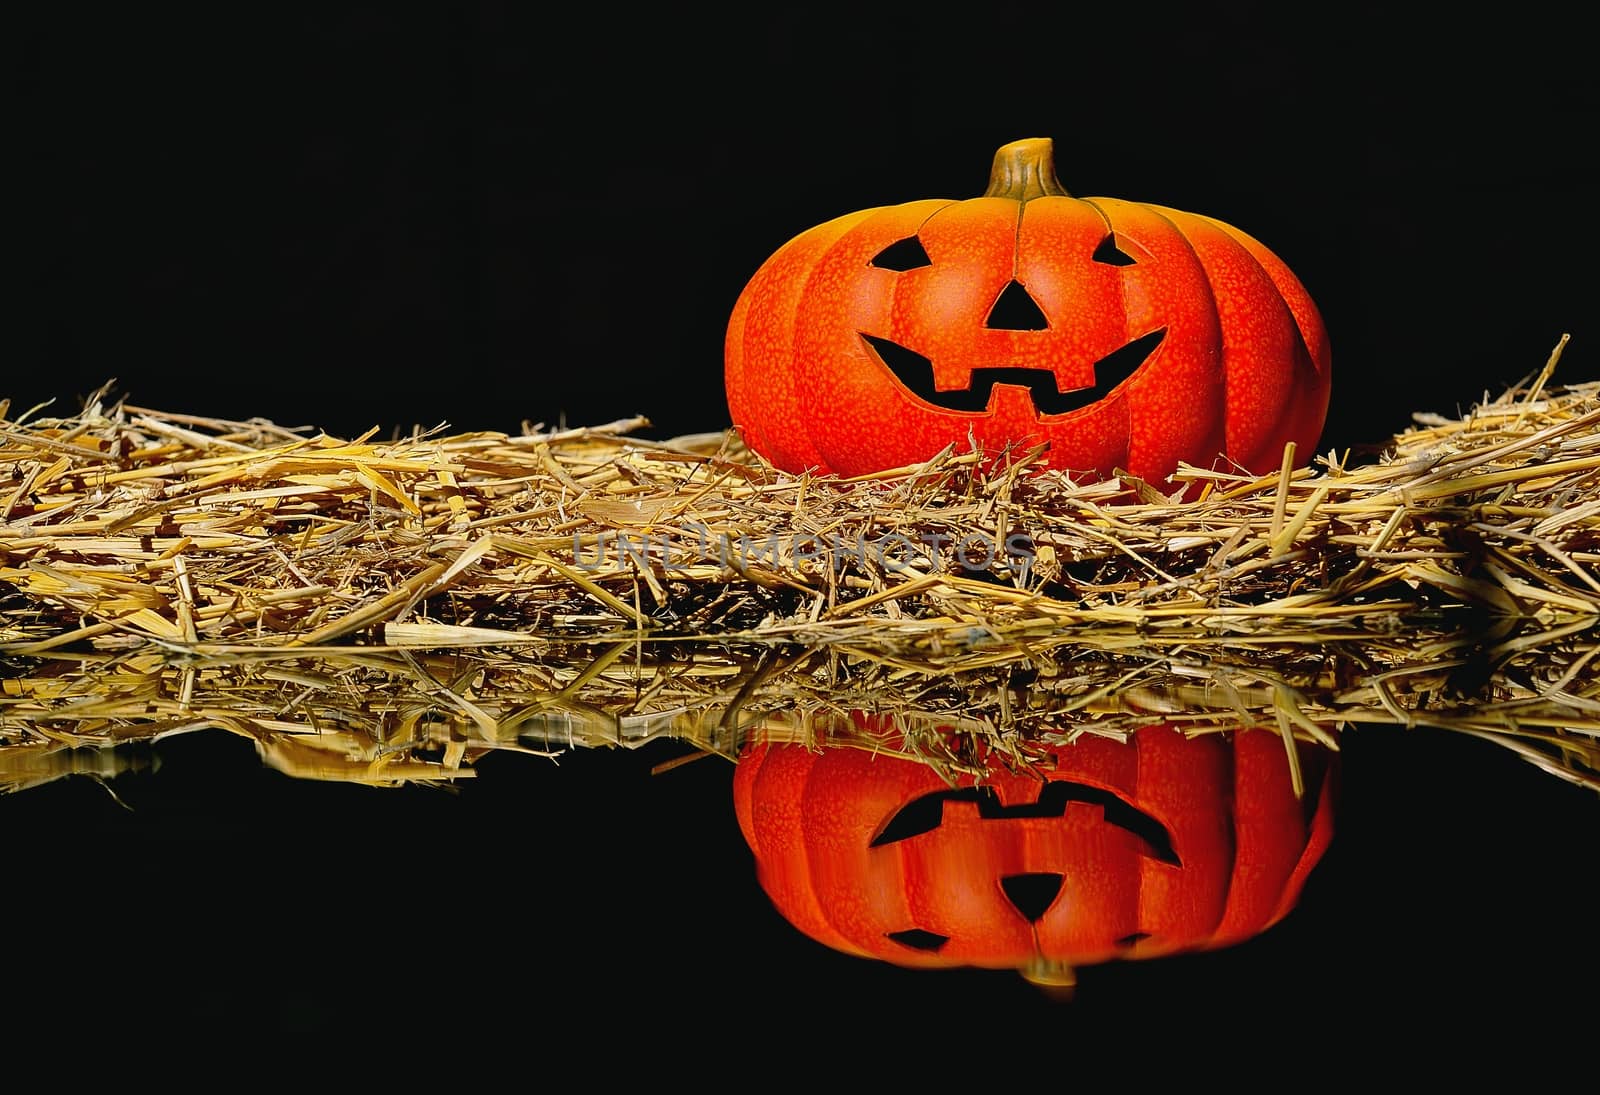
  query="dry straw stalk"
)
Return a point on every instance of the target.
[{"x": 391, "y": 611}]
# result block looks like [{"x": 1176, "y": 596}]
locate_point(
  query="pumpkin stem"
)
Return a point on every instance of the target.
[
  {"x": 1055, "y": 977},
  {"x": 1024, "y": 170}
]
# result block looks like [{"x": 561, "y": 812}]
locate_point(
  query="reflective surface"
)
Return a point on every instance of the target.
[{"x": 245, "y": 899}]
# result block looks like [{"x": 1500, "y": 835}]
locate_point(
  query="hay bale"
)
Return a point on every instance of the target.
[{"x": 390, "y": 611}]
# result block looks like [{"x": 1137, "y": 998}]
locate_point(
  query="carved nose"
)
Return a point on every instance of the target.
[
  {"x": 1032, "y": 894},
  {"x": 1015, "y": 310}
]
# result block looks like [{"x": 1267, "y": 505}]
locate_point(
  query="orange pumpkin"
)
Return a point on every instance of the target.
[
  {"x": 1154, "y": 846},
  {"x": 1121, "y": 334}
]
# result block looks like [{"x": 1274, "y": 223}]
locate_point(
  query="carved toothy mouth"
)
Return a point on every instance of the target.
[
  {"x": 925, "y": 813},
  {"x": 915, "y": 374}
]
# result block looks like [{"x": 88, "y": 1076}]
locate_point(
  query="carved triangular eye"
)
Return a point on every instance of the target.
[
  {"x": 1015, "y": 310},
  {"x": 920, "y": 940},
  {"x": 1109, "y": 253},
  {"x": 902, "y": 255}
]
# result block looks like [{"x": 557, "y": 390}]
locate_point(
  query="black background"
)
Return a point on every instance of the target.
[{"x": 486, "y": 215}]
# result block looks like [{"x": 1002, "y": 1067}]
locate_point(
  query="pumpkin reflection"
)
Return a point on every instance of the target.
[{"x": 1112, "y": 850}]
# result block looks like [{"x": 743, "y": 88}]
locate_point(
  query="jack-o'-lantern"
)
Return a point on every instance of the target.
[
  {"x": 1161, "y": 844},
  {"x": 1120, "y": 334}
]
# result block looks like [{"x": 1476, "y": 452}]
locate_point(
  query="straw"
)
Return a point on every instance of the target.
[{"x": 392, "y": 611}]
